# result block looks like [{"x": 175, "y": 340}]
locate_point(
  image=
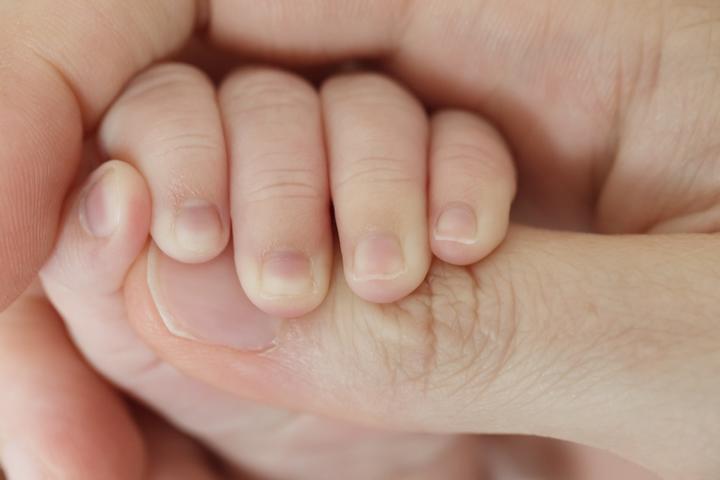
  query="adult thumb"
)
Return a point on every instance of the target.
[
  {"x": 61, "y": 64},
  {"x": 605, "y": 341}
]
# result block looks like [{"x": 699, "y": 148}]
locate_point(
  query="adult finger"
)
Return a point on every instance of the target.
[
  {"x": 53, "y": 87},
  {"x": 58, "y": 418},
  {"x": 556, "y": 334}
]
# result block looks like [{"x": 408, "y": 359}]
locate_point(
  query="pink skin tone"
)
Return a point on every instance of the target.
[
  {"x": 598, "y": 123},
  {"x": 265, "y": 156},
  {"x": 99, "y": 217},
  {"x": 206, "y": 303},
  {"x": 93, "y": 306}
]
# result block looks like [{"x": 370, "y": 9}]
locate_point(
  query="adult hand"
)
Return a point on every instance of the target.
[
  {"x": 59, "y": 419},
  {"x": 610, "y": 108},
  {"x": 54, "y": 390},
  {"x": 608, "y": 342},
  {"x": 600, "y": 125},
  {"x": 85, "y": 279}
]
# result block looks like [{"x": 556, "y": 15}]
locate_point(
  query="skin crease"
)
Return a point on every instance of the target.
[
  {"x": 578, "y": 109},
  {"x": 271, "y": 443},
  {"x": 314, "y": 444},
  {"x": 640, "y": 189},
  {"x": 584, "y": 95},
  {"x": 99, "y": 328},
  {"x": 167, "y": 124},
  {"x": 295, "y": 372},
  {"x": 310, "y": 445}
]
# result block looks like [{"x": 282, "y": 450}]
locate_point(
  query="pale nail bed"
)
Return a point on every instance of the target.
[
  {"x": 198, "y": 227},
  {"x": 457, "y": 223},
  {"x": 378, "y": 256},
  {"x": 286, "y": 274}
]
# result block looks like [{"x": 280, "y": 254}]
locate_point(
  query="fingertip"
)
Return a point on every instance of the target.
[
  {"x": 285, "y": 283},
  {"x": 462, "y": 236},
  {"x": 168, "y": 125},
  {"x": 472, "y": 187},
  {"x": 103, "y": 231},
  {"x": 377, "y": 135},
  {"x": 283, "y": 245},
  {"x": 383, "y": 269},
  {"x": 114, "y": 207},
  {"x": 196, "y": 232},
  {"x": 382, "y": 291}
]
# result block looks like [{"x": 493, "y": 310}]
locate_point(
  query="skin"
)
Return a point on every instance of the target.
[
  {"x": 262, "y": 135},
  {"x": 88, "y": 239},
  {"x": 119, "y": 354},
  {"x": 584, "y": 111},
  {"x": 625, "y": 116},
  {"x": 269, "y": 442}
]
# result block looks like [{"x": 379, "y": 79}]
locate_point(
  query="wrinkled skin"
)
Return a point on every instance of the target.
[{"x": 613, "y": 131}]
